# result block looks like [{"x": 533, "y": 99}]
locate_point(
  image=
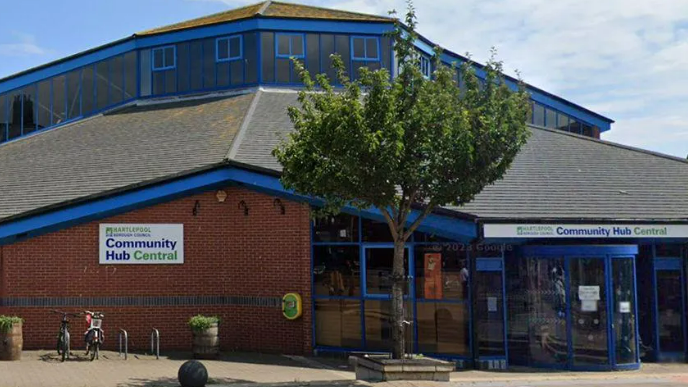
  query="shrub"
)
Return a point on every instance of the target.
[
  {"x": 6, "y": 323},
  {"x": 200, "y": 323}
]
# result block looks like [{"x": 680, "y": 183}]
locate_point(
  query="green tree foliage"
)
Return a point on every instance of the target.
[{"x": 405, "y": 145}]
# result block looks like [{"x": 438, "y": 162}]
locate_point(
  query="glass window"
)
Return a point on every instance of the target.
[
  {"x": 251, "y": 57},
  {"x": 313, "y": 54},
  {"x": 283, "y": 70},
  {"x": 443, "y": 328},
  {"x": 164, "y": 58},
  {"x": 441, "y": 272},
  {"x": 59, "y": 99},
  {"x": 290, "y": 45},
  {"x": 365, "y": 48},
  {"x": 378, "y": 267},
  {"x": 538, "y": 115},
  {"x": 101, "y": 86},
  {"x": 158, "y": 82},
  {"x": 130, "y": 75},
  {"x": 374, "y": 231},
  {"x": 3, "y": 117},
  {"x": 87, "y": 86},
  {"x": 336, "y": 271},
  {"x": 268, "y": 56},
  {"x": 341, "y": 46},
  {"x": 425, "y": 66},
  {"x": 73, "y": 94},
  {"x": 338, "y": 323},
  {"x": 145, "y": 73},
  {"x": 563, "y": 122},
  {"x": 551, "y": 118},
  {"x": 183, "y": 67},
  {"x": 15, "y": 112},
  {"x": 222, "y": 69},
  {"x": 28, "y": 110},
  {"x": 229, "y": 48},
  {"x": 171, "y": 81},
  {"x": 386, "y": 51},
  {"x": 337, "y": 228},
  {"x": 327, "y": 49},
  {"x": 587, "y": 130},
  {"x": 378, "y": 327},
  {"x": 668, "y": 250},
  {"x": 43, "y": 104},
  {"x": 575, "y": 126},
  {"x": 236, "y": 71},
  {"x": 116, "y": 84},
  {"x": 208, "y": 64},
  {"x": 196, "y": 64}
]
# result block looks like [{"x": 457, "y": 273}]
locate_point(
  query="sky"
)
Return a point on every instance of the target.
[{"x": 627, "y": 60}]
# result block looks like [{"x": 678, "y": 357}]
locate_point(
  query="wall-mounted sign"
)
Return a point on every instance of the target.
[
  {"x": 585, "y": 231},
  {"x": 127, "y": 243}
]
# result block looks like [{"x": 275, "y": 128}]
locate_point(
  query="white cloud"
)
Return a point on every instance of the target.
[
  {"x": 625, "y": 59},
  {"x": 22, "y": 45}
]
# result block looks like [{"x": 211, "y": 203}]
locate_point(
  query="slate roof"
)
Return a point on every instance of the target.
[
  {"x": 114, "y": 151},
  {"x": 556, "y": 175},
  {"x": 270, "y": 9}
]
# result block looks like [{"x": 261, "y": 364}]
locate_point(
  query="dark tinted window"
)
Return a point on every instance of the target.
[
  {"x": 158, "y": 82},
  {"x": 145, "y": 73},
  {"x": 236, "y": 71},
  {"x": 29, "y": 110},
  {"x": 313, "y": 54},
  {"x": 59, "y": 102},
  {"x": 3, "y": 117},
  {"x": 196, "y": 64},
  {"x": 336, "y": 271},
  {"x": 43, "y": 104},
  {"x": 587, "y": 130},
  {"x": 327, "y": 49},
  {"x": 102, "y": 77},
  {"x": 575, "y": 127},
  {"x": 183, "y": 67},
  {"x": 341, "y": 45},
  {"x": 374, "y": 231},
  {"x": 563, "y": 122},
  {"x": 338, "y": 228},
  {"x": 283, "y": 70},
  {"x": 171, "y": 81},
  {"x": 130, "y": 75},
  {"x": 251, "y": 58},
  {"x": 669, "y": 250},
  {"x": 268, "y": 56},
  {"x": 116, "y": 88},
  {"x": 385, "y": 49},
  {"x": 222, "y": 74},
  {"x": 15, "y": 113},
  {"x": 208, "y": 63},
  {"x": 538, "y": 115},
  {"x": 359, "y": 47},
  {"x": 283, "y": 43},
  {"x": 73, "y": 94},
  {"x": 551, "y": 117}
]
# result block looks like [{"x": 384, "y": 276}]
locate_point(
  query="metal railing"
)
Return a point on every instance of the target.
[
  {"x": 123, "y": 335},
  {"x": 155, "y": 343}
]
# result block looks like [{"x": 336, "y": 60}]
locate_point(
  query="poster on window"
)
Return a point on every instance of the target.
[{"x": 433, "y": 276}]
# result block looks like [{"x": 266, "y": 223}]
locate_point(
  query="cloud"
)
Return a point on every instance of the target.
[
  {"x": 623, "y": 59},
  {"x": 22, "y": 45}
]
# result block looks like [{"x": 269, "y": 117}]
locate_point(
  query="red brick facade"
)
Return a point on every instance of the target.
[{"x": 265, "y": 254}]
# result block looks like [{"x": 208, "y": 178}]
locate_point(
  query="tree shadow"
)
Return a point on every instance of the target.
[
  {"x": 54, "y": 357},
  {"x": 173, "y": 382}
]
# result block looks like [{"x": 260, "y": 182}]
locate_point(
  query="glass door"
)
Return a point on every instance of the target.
[
  {"x": 589, "y": 317},
  {"x": 624, "y": 326},
  {"x": 670, "y": 314},
  {"x": 489, "y": 313}
]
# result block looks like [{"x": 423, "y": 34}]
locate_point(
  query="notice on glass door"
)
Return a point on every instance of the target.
[
  {"x": 491, "y": 304},
  {"x": 589, "y": 293},
  {"x": 625, "y": 307},
  {"x": 588, "y": 306}
]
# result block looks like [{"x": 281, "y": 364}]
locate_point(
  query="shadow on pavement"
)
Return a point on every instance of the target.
[{"x": 172, "y": 382}]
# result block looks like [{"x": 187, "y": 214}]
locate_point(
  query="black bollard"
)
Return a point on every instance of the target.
[{"x": 192, "y": 374}]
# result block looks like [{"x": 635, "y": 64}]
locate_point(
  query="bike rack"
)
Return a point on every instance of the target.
[
  {"x": 123, "y": 333},
  {"x": 155, "y": 343}
]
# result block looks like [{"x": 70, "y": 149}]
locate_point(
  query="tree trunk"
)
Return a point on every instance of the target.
[{"x": 398, "y": 282}]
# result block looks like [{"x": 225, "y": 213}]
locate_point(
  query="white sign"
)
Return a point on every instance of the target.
[
  {"x": 625, "y": 307},
  {"x": 588, "y": 293},
  {"x": 491, "y": 304},
  {"x": 141, "y": 244},
  {"x": 585, "y": 231},
  {"x": 588, "y": 306}
]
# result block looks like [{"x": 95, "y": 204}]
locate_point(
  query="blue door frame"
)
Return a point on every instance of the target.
[
  {"x": 608, "y": 254},
  {"x": 669, "y": 264}
]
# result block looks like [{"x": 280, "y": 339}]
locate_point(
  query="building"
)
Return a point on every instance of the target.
[{"x": 137, "y": 179}]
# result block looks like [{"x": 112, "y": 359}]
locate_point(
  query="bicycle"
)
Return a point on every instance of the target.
[{"x": 63, "y": 337}]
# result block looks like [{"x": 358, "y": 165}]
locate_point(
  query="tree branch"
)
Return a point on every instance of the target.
[
  {"x": 428, "y": 209},
  {"x": 389, "y": 219}
]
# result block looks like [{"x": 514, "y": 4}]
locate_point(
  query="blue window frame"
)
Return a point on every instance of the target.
[
  {"x": 229, "y": 48},
  {"x": 425, "y": 66},
  {"x": 164, "y": 58},
  {"x": 289, "y": 45},
  {"x": 365, "y": 48}
]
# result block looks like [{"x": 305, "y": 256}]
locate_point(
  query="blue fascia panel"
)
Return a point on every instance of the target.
[
  {"x": 100, "y": 208},
  {"x": 67, "y": 65},
  {"x": 579, "y": 250}
]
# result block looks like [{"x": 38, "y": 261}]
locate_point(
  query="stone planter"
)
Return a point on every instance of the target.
[
  {"x": 206, "y": 344},
  {"x": 380, "y": 369},
  {"x": 11, "y": 343}
]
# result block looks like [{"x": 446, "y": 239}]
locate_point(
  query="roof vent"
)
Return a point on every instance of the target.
[{"x": 622, "y": 192}]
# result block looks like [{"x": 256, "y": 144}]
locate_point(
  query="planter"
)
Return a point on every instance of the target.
[
  {"x": 380, "y": 369},
  {"x": 11, "y": 343},
  {"x": 206, "y": 343}
]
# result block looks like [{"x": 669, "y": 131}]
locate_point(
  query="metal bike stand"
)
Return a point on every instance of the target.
[
  {"x": 123, "y": 334},
  {"x": 155, "y": 343}
]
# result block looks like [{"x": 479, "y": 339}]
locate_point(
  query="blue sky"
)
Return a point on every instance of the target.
[{"x": 624, "y": 59}]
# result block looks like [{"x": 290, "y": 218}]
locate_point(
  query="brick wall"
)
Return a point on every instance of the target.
[{"x": 252, "y": 260}]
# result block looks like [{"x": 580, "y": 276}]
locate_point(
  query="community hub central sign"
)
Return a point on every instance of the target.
[
  {"x": 141, "y": 244},
  {"x": 585, "y": 231}
]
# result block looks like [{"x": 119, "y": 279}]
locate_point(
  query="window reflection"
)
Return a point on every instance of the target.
[
  {"x": 336, "y": 270},
  {"x": 338, "y": 323},
  {"x": 441, "y": 273},
  {"x": 443, "y": 328}
]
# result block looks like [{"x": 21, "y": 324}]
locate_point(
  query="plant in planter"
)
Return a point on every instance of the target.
[
  {"x": 11, "y": 339},
  {"x": 206, "y": 342}
]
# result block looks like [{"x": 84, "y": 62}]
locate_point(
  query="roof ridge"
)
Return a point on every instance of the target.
[
  {"x": 151, "y": 30},
  {"x": 264, "y": 7},
  {"x": 610, "y": 143},
  {"x": 239, "y": 137},
  {"x": 329, "y": 9}
]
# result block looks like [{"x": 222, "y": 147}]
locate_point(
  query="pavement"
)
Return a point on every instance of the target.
[{"x": 43, "y": 369}]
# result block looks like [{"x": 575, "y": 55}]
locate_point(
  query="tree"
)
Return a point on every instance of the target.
[{"x": 404, "y": 146}]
